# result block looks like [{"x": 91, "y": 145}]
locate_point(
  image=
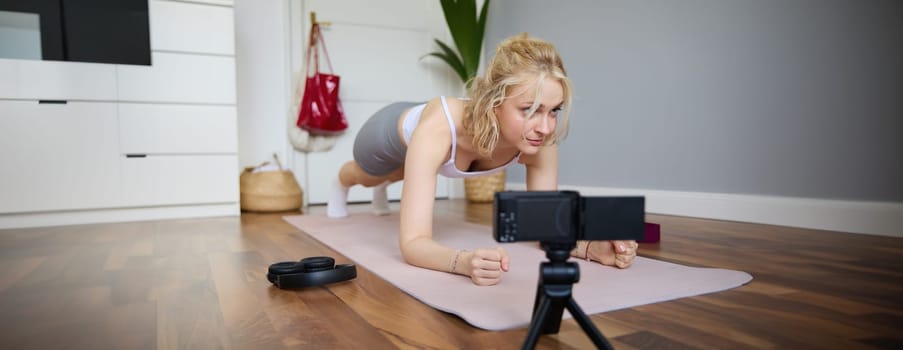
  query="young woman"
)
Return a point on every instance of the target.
[{"x": 517, "y": 113}]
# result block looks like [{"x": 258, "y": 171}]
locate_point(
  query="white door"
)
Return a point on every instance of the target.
[{"x": 376, "y": 48}]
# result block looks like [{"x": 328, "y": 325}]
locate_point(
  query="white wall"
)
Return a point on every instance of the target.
[
  {"x": 264, "y": 83},
  {"x": 270, "y": 39}
]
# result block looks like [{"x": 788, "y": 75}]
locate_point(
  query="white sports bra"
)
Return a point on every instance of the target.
[{"x": 448, "y": 169}]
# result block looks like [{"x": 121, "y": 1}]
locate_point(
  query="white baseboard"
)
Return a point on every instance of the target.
[
  {"x": 116, "y": 215},
  {"x": 878, "y": 218}
]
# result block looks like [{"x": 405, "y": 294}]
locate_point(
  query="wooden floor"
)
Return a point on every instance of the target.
[{"x": 199, "y": 284}]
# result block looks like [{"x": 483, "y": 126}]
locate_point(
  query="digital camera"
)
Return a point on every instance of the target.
[{"x": 565, "y": 216}]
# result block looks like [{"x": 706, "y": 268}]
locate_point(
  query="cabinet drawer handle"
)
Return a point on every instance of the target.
[
  {"x": 136, "y": 156},
  {"x": 52, "y": 102}
]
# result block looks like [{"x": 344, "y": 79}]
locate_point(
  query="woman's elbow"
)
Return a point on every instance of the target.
[{"x": 408, "y": 252}]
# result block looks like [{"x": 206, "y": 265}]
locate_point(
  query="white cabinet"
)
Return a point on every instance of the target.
[
  {"x": 179, "y": 180},
  {"x": 178, "y": 154},
  {"x": 50, "y": 80},
  {"x": 125, "y": 141},
  {"x": 177, "y": 129},
  {"x": 179, "y": 78},
  {"x": 9, "y": 79},
  {"x": 188, "y": 27},
  {"x": 58, "y": 156}
]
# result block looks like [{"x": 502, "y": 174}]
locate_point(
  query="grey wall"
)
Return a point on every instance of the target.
[{"x": 772, "y": 97}]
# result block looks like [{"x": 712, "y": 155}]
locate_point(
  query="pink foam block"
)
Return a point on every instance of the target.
[{"x": 652, "y": 233}]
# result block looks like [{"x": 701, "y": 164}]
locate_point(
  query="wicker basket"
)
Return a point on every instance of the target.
[
  {"x": 482, "y": 189},
  {"x": 269, "y": 191}
]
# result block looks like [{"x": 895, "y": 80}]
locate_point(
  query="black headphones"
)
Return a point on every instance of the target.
[{"x": 309, "y": 272}]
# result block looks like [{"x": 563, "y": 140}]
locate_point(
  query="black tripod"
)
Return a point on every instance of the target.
[{"x": 556, "y": 281}]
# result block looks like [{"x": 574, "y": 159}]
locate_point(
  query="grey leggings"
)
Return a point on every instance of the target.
[{"x": 378, "y": 149}]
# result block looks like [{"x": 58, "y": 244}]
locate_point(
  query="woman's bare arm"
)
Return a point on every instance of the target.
[
  {"x": 428, "y": 149},
  {"x": 542, "y": 169}
]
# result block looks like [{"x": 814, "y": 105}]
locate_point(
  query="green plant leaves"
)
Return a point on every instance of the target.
[
  {"x": 449, "y": 56},
  {"x": 467, "y": 28}
]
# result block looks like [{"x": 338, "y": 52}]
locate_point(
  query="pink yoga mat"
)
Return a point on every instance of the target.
[{"x": 372, "y": 242}]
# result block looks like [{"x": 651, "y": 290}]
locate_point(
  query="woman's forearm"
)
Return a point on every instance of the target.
[{"x": 427, "y": 253}]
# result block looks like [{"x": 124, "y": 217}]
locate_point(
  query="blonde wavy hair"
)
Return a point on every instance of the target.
[{"x": 518, "y": 60}]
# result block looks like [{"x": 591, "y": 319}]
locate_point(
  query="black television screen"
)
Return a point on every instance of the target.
[{"x": 102, "y": 31}]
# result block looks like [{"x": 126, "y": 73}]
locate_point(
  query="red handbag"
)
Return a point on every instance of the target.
[{"x": 321, "y": 111}]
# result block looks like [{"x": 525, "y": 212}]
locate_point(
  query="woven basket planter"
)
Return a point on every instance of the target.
[
  {"x": 482, "y": 189},
  {"x": 269, "y": 191}
]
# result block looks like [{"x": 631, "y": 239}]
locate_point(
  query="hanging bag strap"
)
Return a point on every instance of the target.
[
  {"x": 315, "y": 43},
  {"x": 312, "y": 52},
  {"x": 322, "y": 44}
]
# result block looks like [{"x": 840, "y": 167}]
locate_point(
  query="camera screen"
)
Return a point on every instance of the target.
[
  {"x": 546, "y": 218},
  {"x": 613, "y": 218}
]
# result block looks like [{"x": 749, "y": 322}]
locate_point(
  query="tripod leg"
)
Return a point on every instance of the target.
[
  {"x": 588, "y": 327},
  {"x": 539, "y": 319}
]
